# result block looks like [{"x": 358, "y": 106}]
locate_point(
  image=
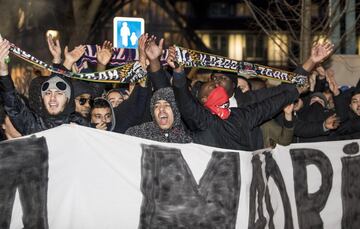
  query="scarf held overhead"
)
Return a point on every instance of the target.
[
  {"x": 127, "y": 73},
  {"x": 195, "y": 59},
  {"x": 129, "y": 70}
]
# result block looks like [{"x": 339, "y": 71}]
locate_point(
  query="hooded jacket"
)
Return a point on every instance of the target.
[
  {"x": 113, "y": 120},
  {"x": 27, "y": 121},
  {"x": 152, "y": 131},
  {"x": 234, "y": 132}
]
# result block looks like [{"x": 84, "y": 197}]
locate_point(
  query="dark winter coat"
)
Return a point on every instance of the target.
[
  {"x": 232, "y": 133},
  {"x": 151, "y": 130},
  {"x": 27, "y": 121}
]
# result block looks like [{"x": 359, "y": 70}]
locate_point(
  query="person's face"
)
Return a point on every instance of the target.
[
  {"x": 206, "y": 89},
  {"x": 82, "y": 104},
  {"x": 115, "y": 98},
  {"x": 9, "y": 129},
  {"x": 243, "y": 85},
  {"x": 355, "y": 104},
  {"x": 224, "y": 82},
  {"x": 54, "y": 101},
  {"x": 164, "y": 115},
  {"x": 298, "y": 105},
  {"x": 101, "y": 115},
  {"x": 330, "y": 100}
]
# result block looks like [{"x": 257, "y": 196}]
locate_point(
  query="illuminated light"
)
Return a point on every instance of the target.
[
  {"x": 166, "y": 35},
  {"x": 278, "y": 48},
  {"x": 54, "y": 33},
  {"x": 21, "y": 22},
  {"x": 205, "y": 37},
  {"x": 236, "y": 46}
]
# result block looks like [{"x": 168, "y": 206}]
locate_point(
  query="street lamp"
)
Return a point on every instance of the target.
[{"x": 54, "y": 34}]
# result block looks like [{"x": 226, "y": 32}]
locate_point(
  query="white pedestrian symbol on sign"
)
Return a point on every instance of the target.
[
  {"x": 127, "y": 31},
  {"x": 133, "y": 39}
]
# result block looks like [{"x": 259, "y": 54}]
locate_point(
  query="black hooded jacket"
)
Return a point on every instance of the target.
[
  {"x": 234, "y": 132},
  {"x": 152, "y": 131},
  {"x": 27, "y": 121}
]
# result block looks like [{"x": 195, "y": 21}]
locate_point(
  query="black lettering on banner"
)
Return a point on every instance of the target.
[
  {"x": 272, "y": 170},
  {"x": 172, "y": 198},
  {"x": 309, "y": 205},
  {"x": 351, "y": 149},
  {"x": 350, "y": 188},
  {"x": 24, "y": 165},
  {"x": 257, "y": 191}
]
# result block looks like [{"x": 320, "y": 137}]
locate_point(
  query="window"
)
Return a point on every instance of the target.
[
  {"x": 220, "y": 9},
  {"x": 278, "y": 49},
  {"x": 219, "y": 42},
  {"x": 242, "y": 10},
  {"x": 254, "y": 48},
  {"x": 236, "y": 46}
]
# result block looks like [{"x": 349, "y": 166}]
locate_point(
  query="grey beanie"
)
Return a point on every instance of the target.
[
  {"x": 321, "y": 96},
  {"x": 56, "y": 83}
]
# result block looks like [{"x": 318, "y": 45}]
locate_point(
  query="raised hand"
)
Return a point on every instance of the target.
[
  {"x": 152, "y": 50},
  {"x": 4, "y": 53},
  {"x": 288, "y": 110},
  {"x": 55, "y": 49},
  {"x": 320, "y": 52},
  {"x": 73, "y": 56},
  {"x": 104, "y": 53},
  {"x": 144, "y": 61},
  {"x": 332, "y": 122},
  {"x": 330, "y": 78},
  {"x": 171, "y": 60},
  {"x": 101, "y": 126}
]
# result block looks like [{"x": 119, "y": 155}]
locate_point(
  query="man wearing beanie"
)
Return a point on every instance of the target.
[
  {"x": 57, "y": 97},
  {"x": 83, "y": 93},
  {"x": 58, "y": 105}
]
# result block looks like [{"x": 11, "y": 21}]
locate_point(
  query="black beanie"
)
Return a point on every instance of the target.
[{"x": 81, "y": 87}]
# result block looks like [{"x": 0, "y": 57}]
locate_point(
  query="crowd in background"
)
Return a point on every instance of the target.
[{"x": 225, "y": 110}]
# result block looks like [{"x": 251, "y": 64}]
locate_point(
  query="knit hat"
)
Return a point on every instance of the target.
[
  {"x": 57, "y": 83},
  {"x": 81, "y": 87},
  {"x": 321, "y": 96}
]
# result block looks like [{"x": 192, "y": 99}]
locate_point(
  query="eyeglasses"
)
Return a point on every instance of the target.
[
  {"x": 60, "y": 85},
  {"x": 83, "y": 101}
]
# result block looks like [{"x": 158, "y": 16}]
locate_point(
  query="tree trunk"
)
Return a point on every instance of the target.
[
  {"x": 305, "y": 34},
  {"x": 84, "y": 15}
]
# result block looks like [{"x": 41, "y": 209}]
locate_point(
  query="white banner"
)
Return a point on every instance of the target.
[{"x": 98, "y": 179}]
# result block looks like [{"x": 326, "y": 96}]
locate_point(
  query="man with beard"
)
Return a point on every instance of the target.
[
  {"x": 57, "y": 97},
  {"x": 83, "y": 94}
]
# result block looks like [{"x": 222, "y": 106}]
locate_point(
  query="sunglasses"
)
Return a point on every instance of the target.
[
  {"x": 83, "y": 101},
  {"x": 60, "y": 85}
]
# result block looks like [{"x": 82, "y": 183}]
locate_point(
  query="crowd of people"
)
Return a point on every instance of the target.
[{"x": 226, "y": 110}]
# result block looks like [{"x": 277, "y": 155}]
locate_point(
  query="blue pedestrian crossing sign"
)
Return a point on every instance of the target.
[{"x": 127, "y": 31}]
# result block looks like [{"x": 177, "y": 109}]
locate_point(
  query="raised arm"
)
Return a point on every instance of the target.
[
  {"x": 157, "y": 75},
  {"x": 196, "y": 116},
  {"x": 18, "y": 112},
  {"x": 258, "y": 113}
]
